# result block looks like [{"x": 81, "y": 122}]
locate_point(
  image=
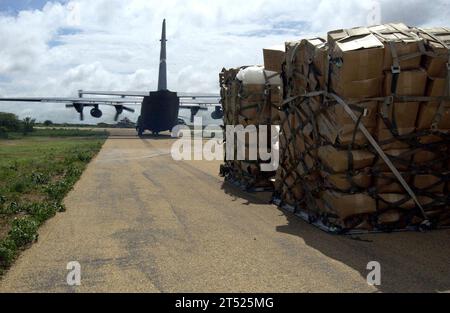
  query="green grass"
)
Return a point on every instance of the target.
[
  {"x": 59, "y": 132},
  {"x": 36, "y": 173}
]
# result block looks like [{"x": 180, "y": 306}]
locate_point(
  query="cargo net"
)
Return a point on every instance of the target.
[
  {"x": 249, "y": 101},
  {"x": 367, "y": 150}
]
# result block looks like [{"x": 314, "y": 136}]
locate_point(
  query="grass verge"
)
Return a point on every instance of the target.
[{"x": 36, "y": 173}]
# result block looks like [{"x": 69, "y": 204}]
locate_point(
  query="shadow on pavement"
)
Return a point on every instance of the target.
[
  {"x": 251, "y": 198},
  {"x": 410, "y": 261}
]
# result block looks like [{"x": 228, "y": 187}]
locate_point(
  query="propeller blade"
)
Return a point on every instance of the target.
[{"x": 128, "y": 109}]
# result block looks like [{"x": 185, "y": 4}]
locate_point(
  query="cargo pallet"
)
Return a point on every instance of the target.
[{"x": 317, "y": 222}]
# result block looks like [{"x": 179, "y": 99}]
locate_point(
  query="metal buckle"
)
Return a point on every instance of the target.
[{"x": 395, "y": 69}]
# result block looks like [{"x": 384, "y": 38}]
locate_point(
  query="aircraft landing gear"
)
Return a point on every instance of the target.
[
  {"x": 140, "y": 132},
  {"x": 154, "y": 133}
]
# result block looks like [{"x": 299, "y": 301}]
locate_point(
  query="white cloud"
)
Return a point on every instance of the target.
[{"x": 114, "y": 44}]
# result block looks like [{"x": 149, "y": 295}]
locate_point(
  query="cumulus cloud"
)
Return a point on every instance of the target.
[{"x": 114, "y": 44}]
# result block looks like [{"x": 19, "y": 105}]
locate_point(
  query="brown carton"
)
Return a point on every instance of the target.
[
  {"x": 274, "y": 58},
  {"x": 428, "y": 110},
  {"x": 338, "y": 127},
  {"x": 404, "y": 114},
  {"x": 410, "y": 83},
  {"x": 429, "y": 183},
  {"x": 390, "y": 216},
  {"x": 294, "y": 71},
  {"x": 401, "y": 158},
  {"x": 387, "y": 183},
  {"x": 387, "y": 141},
  {"x": 346, "y": 205},
  {"x": 393, "y": 199},
  {"x": 342, "y": 181},
  {"x": 337, "y": 160},
  {"x": 405, "y": 43},
  {"x": 435, "y": 65},
  {"x": 357, "y": 89},
  {"x": 316, "y": 61},
  {"x": 427, "y": 113},
  {"x": 356, "y": 54},
  {"x": 424, "y": 157}
]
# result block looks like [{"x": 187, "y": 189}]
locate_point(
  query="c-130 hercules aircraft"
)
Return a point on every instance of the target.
[{"x": 159, "y": 109}]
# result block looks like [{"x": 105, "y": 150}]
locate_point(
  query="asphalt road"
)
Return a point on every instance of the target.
[{"x": 140, "y": 221}]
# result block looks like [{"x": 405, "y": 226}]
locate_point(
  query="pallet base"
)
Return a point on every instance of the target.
[{"x": 307, "y": 217}]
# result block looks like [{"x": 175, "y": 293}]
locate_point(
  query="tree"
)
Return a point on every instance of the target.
[
  {"x": 28, "y": 125},
  {"x": 9, "y": 122},
  {"x": 48, "y": 123}
]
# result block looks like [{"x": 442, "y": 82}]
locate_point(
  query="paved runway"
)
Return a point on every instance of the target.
[{"x": 140, "y": 221}]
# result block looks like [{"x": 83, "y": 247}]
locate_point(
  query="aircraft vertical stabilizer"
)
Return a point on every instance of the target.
[{"x": 162, "y": 78}]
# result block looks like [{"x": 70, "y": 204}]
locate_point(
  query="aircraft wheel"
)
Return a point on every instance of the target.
[{"x": 140, "y": 132}]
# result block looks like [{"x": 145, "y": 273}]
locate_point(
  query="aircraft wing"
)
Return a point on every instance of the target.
[
  {"x": 115, "y": 93},
  {"x": 200, "y": 98},
  {"x": 80, "y": 103},
  {"x": 74, "y": 100},
  {"x": 194, "y": 95}
]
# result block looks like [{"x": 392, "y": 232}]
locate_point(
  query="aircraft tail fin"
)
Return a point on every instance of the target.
[{"x": 162, "y": 78}]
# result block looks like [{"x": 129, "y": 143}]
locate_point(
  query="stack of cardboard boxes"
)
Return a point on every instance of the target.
[
  {"x": 395, "y": 80},
  {"x": 249, "y": 97}
]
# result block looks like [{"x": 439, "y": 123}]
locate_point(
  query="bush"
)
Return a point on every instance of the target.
[
  {"x": 3, "y": 132},
  {"x": 8, "y": 251},
  {"x": 43, "y": 211},
  {"x": 28, "y": 125},
  {"x": 23, "y": 231},
  {"x": 39, "y": 178}
]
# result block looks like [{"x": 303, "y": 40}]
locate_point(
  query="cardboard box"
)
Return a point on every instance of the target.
[
  {"x": 405, "y": 43},
  {"x": 429, "y": 183},
  {"x": 358, "y": 89},
  {"x": 410, "y": 83},
  {"x": 423, "y": 157},
  {"x": 427, "y": 113},
  {"x": 392, "y": 199},
  {"x": 403, "y": 113},
  {"x": 316, "y": 56},
  {"x": 428, "y": 110},
  {"x": 387, "y": 141},
  {"x": 338, "y": 127},
  {"x": 337, "y": 160},
  {"x": 341, "y": 181},
  {"x": 345, "y": 205},
  {"x": 274, "y": 58},
  {"x": 355, "y": 55},
  {"x": 436, "y": 65},
  {"x": 335, "y": 35},
  {"x": 401, "y": 158},
  {"x": 386, "y": 182},
  {"x": 390, "y": 216}
]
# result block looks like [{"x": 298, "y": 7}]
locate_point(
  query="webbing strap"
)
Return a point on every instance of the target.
[
  {"x": 395, "y": 68},
  {"x": 442, "y": 105},
  {"x": 381, "y": 153}
]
